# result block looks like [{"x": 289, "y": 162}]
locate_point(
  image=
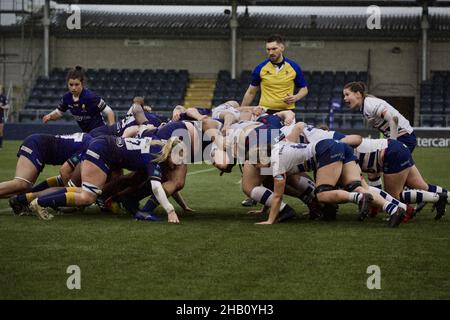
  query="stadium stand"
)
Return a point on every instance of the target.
[
  {"x": 435, "y": 100},
  {"x": 162, "y": 89}
]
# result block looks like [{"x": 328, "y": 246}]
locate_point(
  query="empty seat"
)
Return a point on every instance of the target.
[
  {"x": 425, "y": 107},
  {"x": 425, "y": 121},
  {"x": 437, "y": 107},
  {"x": 438, "y": 121}
]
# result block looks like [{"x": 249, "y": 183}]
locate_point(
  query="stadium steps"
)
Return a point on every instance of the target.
[{"x": 199, "y": 93}]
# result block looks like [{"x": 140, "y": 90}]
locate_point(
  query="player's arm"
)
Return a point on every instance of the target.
[
  {"x": 287, "y": 116},
  {"x": 109, "y": 115},
  {"x": 161, "y": 196},
  {"x": 182, "y": 203},
  {"x": 249, "y": 95},
  {"x": 279, "y": 183},
  {"x": 353, "y": 140},
  {"x": 393, "y": 123},
  {"x": 4, "y": 106},
  {"x": 194, "y": 114},
  {"x": 294, "y": 135},
  {"x": 52, "y": 116}
]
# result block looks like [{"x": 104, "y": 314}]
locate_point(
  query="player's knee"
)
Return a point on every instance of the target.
[
  {"x": 321, "y": 192},
  {"x": 87, "y": 198},
  {"x": 22, "y": 185},
  {"x": 179, "y": 184},
  {"x": 89, "y": 193},
  {"x": 354, "y": 186}
]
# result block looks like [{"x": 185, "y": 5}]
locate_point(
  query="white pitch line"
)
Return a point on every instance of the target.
[
  {"x": 5, "y": 210},
  {"x": 200, "y": 171}
]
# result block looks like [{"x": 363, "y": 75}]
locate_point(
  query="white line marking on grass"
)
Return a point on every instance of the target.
[
  {"x": 200, "y": 171},
  {"x": 5, "y": 210}
]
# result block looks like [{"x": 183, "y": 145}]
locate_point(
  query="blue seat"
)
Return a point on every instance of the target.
[
  {"x": 426, "y": 121},
  {"x": 425, "y": 107},
  {"x": 438, "y": 121},
  {"x": 437, "y": 107}
]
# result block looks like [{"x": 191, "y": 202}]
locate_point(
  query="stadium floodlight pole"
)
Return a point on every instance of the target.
[
  {"x": 46, "y": 24},
  {"x": 425, "y": 26},
  {"x": 233, "y": 26}
]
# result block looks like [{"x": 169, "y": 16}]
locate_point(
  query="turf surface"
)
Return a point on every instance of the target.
[{"x": 219, "y": 253}]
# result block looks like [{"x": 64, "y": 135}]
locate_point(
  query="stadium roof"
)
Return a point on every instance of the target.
[
  {"x": 254, "y": 22},
  {"x": 267, "y": 2},
  {"x": 295, "y": 22}
]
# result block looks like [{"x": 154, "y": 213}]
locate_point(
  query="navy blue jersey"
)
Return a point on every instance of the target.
[
  {"x": 108, "y": 152},
  {"x": 3, "y": 102},
  {"x": 87, "y": 111},
  {"x": 44, "y": 149},
  {"x": 271, "y": 120},
  {"x": 166, "y": 131},
  {"x": 118, "y": 128},
  {"x": 202, "y": 111},
  {"x": 130, "y": 121}
]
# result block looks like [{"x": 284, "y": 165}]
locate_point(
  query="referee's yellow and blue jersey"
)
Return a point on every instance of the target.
[{"x": 276, "y": 83}]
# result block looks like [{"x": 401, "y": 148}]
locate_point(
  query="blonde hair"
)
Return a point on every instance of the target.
[{"x": 166, "y": 148}]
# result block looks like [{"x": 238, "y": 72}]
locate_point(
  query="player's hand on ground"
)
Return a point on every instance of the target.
[{"x": 172, "y": 217}]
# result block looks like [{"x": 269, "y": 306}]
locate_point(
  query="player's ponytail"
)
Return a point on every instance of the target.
[
  {"x": 166, "y": 149},
  {"x": 76, "y": 73}
]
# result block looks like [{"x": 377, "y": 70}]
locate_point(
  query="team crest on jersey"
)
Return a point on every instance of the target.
[{"x": 119, "y": 142}]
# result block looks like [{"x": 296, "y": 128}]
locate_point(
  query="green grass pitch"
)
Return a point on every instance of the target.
[{"x": 219, "y": 253}]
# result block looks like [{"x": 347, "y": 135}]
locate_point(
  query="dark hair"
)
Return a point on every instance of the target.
[
  {"x": 323, "y": 126},
  {"x": 76, "y": 73},
  {"x": 357, "y": 86},
  {"x": 275, "y": 38}
]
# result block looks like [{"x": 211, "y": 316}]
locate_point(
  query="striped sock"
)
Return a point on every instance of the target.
[
  {"x": 306, "y": 187},
  {"x": 390, "y": 208},
  {"x": 388, "y": 197},
  {"x": 57, "y": 200},
  {"x": 25, "y": 198},
  {"x": 436, "y": 189},
  {"x": 355, "y": 197},
  {"x": 48, "y": 183},
  {"x": 376, "y": 183},
  {"x": 418, "y": 196},
  {"x": 264, "y": 196}
]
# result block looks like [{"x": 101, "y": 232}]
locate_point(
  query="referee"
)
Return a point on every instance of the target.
[{"x": 278, "y": 77}]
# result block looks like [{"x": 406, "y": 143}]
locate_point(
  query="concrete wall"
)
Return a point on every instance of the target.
[
  {"x": 17, "y": 63},
  {"x": 207, "y": 56},
  {"x": 440, "y": 55},
  {"x": 13, "y": 68}
]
